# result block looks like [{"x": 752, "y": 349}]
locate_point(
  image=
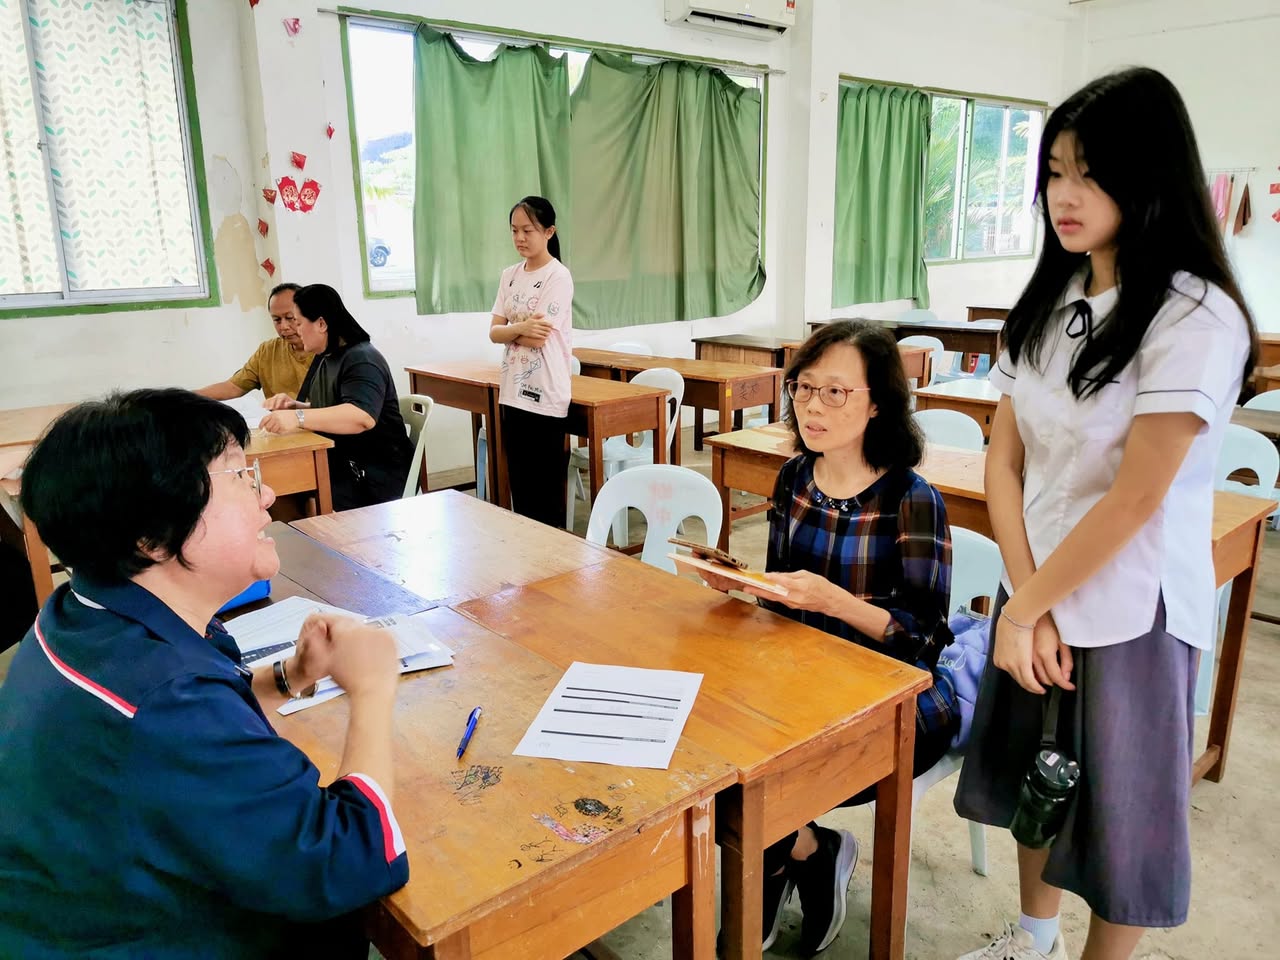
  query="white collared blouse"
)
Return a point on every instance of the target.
[{"x": 1191, "y": 360}]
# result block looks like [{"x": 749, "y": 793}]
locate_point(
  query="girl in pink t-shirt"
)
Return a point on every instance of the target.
[{"x": 533, "y": 317}]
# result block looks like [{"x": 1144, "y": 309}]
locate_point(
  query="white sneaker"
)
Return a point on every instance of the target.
[{"x": 1017, "y": 944}]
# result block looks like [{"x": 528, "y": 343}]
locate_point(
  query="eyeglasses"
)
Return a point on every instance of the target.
[
  {"x": 831, "y": 396},
  {"x": 254, "y": 472}
]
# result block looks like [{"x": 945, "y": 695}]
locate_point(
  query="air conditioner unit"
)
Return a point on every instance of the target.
[{"x": 762, "y": 19}]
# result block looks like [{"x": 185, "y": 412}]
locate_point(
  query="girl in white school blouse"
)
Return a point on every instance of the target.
[
  {"x": 533, "y": 316},
  {"x": 1123, "y": 360}
]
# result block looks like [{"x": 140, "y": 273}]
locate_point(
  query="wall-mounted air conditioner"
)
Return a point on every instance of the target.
[{"x": 762, "y": 19}]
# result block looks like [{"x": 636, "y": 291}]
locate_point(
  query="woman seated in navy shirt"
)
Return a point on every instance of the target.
[
  {"x": 860, "y": 542},
  {"x": 149, "y": 809}
]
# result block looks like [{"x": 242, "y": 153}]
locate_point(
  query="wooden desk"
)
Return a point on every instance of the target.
[
  {"x": 777, "y": 352},
  {"x": 597, "y": 410},
  {"x": 797, "y": 757},
  {"x": 978, "y": 336},
  {"x": 974, "y": 398},
  {"x": 448, "y": 547},
  {"x": 750, "y": 460},
  {"x": 1268, "y": 349},
  {"x": 503, "y": 863},
  {"x": 1266, "y": 378},
  {"x": 988, "y": 313},
  {"x": 23, "y": 426},
  {"x": 1266, "y": 422},
  {"x": 728, "y": 388},
  {"x": 296, "y": 463}
]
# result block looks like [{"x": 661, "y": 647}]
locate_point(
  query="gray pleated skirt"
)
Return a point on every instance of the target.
[{"x": 1125, "y": 847}]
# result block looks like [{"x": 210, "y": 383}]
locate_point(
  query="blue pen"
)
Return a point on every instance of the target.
[{"x": 471, "y": 728}]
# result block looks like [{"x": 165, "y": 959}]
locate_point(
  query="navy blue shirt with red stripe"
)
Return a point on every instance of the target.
[{"x": 148, "y": 809}]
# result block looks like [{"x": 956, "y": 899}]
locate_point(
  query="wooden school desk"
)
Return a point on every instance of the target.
[
  {"x": 597, "y": 410},
  {"x": 987, "y": 313},
  {"x": 515, "y": 856},
  {"x": 725, "y": 387},
  {"x": 296, "y": 463},
  {"x": 962, "y": 336},
  {"x": 976, "y": 398},
  {"x": 750, "y": 460},
  {"x": 1266, "y": 422}
]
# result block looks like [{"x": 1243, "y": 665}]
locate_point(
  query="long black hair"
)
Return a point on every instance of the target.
[
  {"x": 1132, "y": 130},
  {"x": 318, "y": 301},
  {"x": 543, "y": 214},
  {"x": 892, "y": 440}
]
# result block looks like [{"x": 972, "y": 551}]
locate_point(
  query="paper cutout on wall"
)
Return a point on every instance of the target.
[
  {"x": 299, "y": 160},
  {"x": 308, "y": 195},
  {"x": 252, "y": 4},
  {"x": 1275, "y": 188},
  {"x": 270, "y": 267},
  {"x": 262, "y": 227},
  {"x": 268, "y": 195},
  {"x": 1276, "y": 216},
  {"x": 291, "y": 26},
  {"x": 288, "y": 192},
  {"x": 328, "y": 131}
]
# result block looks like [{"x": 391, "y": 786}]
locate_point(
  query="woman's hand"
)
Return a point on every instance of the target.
[
  {"x": 281, "y": 401},
  {"x": 535, "y": 331},
  {"x": 312, "y": 655},
  {"x": 281, "y": 421},
  {"x": 805, "y": 591},
  {"x": 1012, "y": 652},
  {"x": 1050, "y": 657}
]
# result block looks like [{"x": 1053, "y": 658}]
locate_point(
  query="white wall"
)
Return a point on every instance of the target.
[
  {"x": 1223, "y": 58},
  {"x": 60, "y": 358}
]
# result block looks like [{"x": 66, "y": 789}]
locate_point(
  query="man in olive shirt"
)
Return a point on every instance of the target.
[{"x": 278, "y": 365}]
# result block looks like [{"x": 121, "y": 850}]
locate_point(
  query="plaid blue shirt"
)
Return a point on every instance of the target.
[{"x": 890, "y": 546}]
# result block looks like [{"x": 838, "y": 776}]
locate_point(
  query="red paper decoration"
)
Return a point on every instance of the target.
[
  {"x": 299, "y": 160},
  {"x": 270, "y": 267},
  {"x": 268, "y": 195},
  {"x": 288, "y": 192},
  {"x": 291, "y": 26},
  {"x": 308, "y": 195},
  {"x": 328, "y": 131},
  {"x": 262, "y": 227}
]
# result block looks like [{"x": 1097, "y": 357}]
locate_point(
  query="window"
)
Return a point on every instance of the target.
[
  {"x": 380, "y": 69},
  {"x": 97, "y": 196},
  {"x": 980, "y": 188}
]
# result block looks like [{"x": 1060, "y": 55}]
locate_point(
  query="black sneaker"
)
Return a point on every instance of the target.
[
  {"x": 823, "y": 883},
  {"x": 777, "y": 891}
]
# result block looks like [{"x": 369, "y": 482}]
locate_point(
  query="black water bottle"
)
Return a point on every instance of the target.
[{"x": 1043, "y": 799}]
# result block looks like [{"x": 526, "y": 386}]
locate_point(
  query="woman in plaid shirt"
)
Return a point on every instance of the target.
[{"x": 860, "y": 542}]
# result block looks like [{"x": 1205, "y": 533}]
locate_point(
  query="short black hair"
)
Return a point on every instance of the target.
[
  {"x": 281, "y": 288},
  {"x": 892, "y": 439},
  {"x": 319, "y": 301},
  {"x": 114, "y": 480}
]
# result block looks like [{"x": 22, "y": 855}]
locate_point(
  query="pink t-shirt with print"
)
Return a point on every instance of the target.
[{"x": 537, "y": 379}]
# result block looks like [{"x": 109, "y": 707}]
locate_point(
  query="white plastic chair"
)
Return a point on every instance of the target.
[
  {"x": 935, "y": 361},
  {"x": 666, "y": 495},
  {"x": 975, "y": 572},
  {"x": 620, "y": 455},
  {"x": 950, "y": 428},
  {"x": 1270, "y": 400},
  {"x": 632, "y": 346},
  {"x": 918, "y": 316},
  {"x": 415, "y": 408},
  {"x": 482, "y": 445}
]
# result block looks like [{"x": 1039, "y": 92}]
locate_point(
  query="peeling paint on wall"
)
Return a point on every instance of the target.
[{"x": 237, "y": 259}]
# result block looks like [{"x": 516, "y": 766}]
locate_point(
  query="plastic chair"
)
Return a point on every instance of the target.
[
  {"x": 482, "y": 445},
  {"x": 975, "y": 572},
  {"x": 1270, "y": 400},
  {"x": 935, "y": 361},
  {"x": 632, "y": 346},
  {"x": 950, "y": 428},
  {"x": 415, "y": 408},
  {"x": 918, "y": 316},
  {"x": 618, "y": 454},
  {"x": 666, "y": 495}
]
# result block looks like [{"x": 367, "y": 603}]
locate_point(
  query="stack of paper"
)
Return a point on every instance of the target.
[
  {"x": 250, "y": 407},
  {"x": 270, "y": 634}
]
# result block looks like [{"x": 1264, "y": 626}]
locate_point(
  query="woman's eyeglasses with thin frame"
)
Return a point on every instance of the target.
[
  {"x": 831, "y": 395},
  {"x": 252, "y": 469}
]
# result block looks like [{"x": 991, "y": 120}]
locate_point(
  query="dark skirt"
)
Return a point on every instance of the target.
[{"x": 1125, "y": 847}]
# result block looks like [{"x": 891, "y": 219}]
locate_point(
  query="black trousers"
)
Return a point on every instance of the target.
[{"x": 537, "y": 449}]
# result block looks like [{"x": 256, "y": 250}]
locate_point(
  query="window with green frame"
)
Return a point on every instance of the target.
[
  {"x": 980, "y": 188},
  {"x": 379, "y": 62},
  {"x": 99, "y": 182}
]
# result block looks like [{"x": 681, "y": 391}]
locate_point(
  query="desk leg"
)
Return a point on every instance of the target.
[
  {"x": 661, "y": 442},
  {"x": 1213, "y": 763},
  {"x": 740, "y": 832},
  {"x": 595, "y": 455},
  {"x": 892, "y": 862},
  {"x": 726, "y": 409},
  {"x": 693, "y": 907},
  {"x": 456, "y": 947},
  {"x": 698, "y": 429},
  {"x": 726, "y": 496},
  {"x": 497, "y": 452},
  {"x": 324, "y": 495}
]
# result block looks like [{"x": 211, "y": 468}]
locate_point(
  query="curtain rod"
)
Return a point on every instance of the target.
[{"x": 409, "y": 20}]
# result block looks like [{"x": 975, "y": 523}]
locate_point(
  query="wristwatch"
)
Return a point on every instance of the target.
[
  {"x": 301, "y": 415},
  {"x": 282, "y": 683}
]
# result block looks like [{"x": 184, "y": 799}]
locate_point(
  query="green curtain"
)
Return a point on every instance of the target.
[
  {"x": 666, "y": 182},
  {"x": 487, "y": 133},
  {"x": 882, "y": 145}
]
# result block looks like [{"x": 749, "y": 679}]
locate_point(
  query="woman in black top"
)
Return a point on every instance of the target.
[{"x": 348, "y": 395}]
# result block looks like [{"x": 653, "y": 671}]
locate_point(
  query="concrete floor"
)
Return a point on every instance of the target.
[{"x": 1235, "y": 831}]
